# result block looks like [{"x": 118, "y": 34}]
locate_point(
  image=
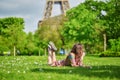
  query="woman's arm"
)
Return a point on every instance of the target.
[
  {"x": 81, "y": 60},
  {"x": 72, "y": 60}
]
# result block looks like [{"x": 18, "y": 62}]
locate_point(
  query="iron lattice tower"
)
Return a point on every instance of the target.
[{"x": 49, "y": 6}]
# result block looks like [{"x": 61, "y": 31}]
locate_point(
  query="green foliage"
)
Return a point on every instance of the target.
[
  {"x": 42, "y": 52},
  {"x": 114, "y": 49},
  {"x": 88, "y": 22},
  {"x": 50, "y": 30},
  {"x": 110, "y": 53},
  {"x": 115, "y": 44},
  {"x": 30, "y": 44},
  {"x": 6, "y": 23},
  {"x": 3, "y": 42},
  {"x": 113, "y": 19},
  {"x": 11, "y": 29},
  {"x": 79, "y": 27},
  {"x": 82, "y": 26},
  {"x": 46, "y": 34}
]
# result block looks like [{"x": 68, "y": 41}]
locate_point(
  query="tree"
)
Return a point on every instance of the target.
[
  {"x": 80, "y": 25},
  {"x": 12, "y": 30},
  {"x": 30, "y": 46},
  {"x": 93, "y": 22}
]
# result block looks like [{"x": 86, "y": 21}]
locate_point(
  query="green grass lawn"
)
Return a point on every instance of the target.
[{"x": 36, "y": 68}]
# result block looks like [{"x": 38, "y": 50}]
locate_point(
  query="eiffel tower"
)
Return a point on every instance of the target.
[{"x": 49, "y": 7}]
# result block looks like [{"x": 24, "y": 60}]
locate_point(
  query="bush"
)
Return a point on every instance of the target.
[
  {"x": 42, "y": 52},
  {"x": 110, "y": 54},
  {"x": 115, "y": 44}
]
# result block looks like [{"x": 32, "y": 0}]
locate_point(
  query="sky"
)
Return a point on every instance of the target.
[{"x": 30, "y": 10}]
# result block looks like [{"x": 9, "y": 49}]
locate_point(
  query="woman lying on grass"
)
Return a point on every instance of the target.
[{"x": 74, "y": 58}]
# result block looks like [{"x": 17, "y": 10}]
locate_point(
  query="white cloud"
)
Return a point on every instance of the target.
[{"x": 4, "y": 5}]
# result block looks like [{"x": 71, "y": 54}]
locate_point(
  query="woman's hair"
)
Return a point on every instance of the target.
[{"x": 77, "y": 48}]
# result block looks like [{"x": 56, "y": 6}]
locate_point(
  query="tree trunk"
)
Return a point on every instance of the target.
[
  {"x": 45, "y": 52},
  {"x": 14, "y": 50},
  {"x": 105, "y": 44},
  {"x": 39, "y": 52}
]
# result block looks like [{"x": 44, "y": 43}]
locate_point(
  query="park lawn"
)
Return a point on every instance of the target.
[{"x": 36, "y": 68}]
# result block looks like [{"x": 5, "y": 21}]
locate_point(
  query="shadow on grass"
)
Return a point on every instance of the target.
[{"x": 103, "y": 71}]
